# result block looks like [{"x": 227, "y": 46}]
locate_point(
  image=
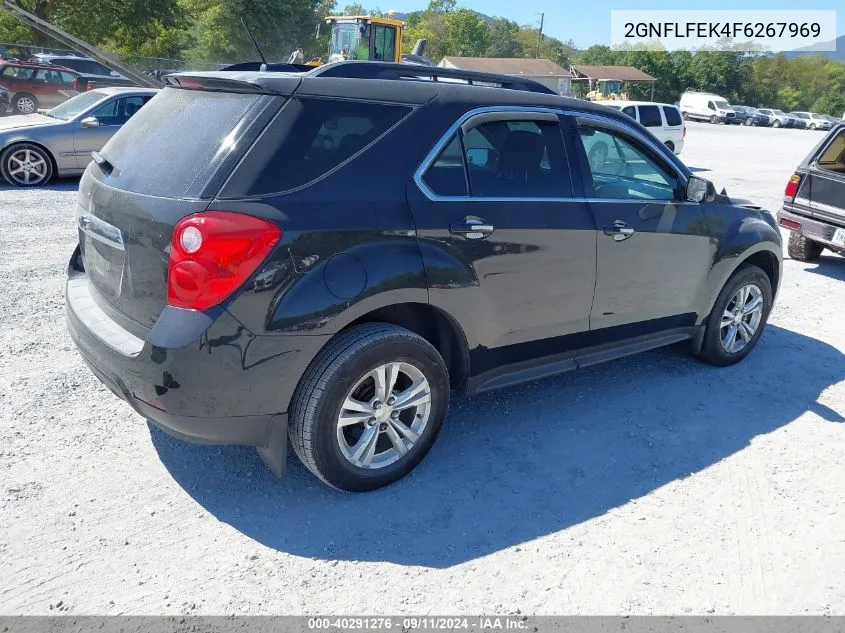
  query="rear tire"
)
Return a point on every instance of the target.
[
  {"x": 802, "y": 249},
  {"x": 25, "y": 103},
  {"x": 671, "y": 146},
  {"x": 331, "y": 438},
  {"x": 729, "y": 312},
  {"x": 26, "y": 165},
  {"x": 749, "y": 121}
]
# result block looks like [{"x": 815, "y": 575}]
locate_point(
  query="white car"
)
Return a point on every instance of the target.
[
  {"x": 706, "y": 106},
  {"x": 662, "y": 119}
]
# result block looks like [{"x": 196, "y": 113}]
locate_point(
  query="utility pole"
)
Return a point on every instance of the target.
[{"x": 540, "y": 34}]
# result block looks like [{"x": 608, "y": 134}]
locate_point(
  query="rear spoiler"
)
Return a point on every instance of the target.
[{"x": 223, "y": 81}]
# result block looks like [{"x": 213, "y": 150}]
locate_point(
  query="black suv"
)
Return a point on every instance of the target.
[
  {"x": 814, "y": 200},
  {"x": 331, "y": 254}
]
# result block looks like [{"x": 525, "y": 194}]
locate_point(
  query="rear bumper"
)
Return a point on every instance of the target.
[
  {"x": 227, "y": 386},
  {"x": 811, "y": 228}
]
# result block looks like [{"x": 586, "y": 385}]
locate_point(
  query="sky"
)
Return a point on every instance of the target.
[{"x": 587, "y": 26}]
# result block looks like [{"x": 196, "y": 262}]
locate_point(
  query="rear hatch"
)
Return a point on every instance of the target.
[{"x": 167, "y": 162}]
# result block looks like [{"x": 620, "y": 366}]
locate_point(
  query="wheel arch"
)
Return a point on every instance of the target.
[
  {"x": 765, "y": 255},
  {"x": 435, "y": 326}
]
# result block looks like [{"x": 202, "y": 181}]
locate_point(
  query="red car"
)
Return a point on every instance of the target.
[{"x": 32, "y": 86}]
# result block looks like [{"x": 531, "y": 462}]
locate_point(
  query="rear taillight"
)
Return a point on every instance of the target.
[
  {"x": 791, "y": 188},
  {"x": 790, "y": 224},
  {"x": 213, "y": 253}
]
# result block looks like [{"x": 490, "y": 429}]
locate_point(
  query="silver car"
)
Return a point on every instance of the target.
[{"x": 36, "y": 147}]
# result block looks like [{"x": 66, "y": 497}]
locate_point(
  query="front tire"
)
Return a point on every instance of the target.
[
  {"x": 25, "y": 103},
  {"x": 738, "y": 317},
  {"x": 802, "y": 249},
  {"x": 776, "y": 124},
  {"x": 369, "y": 407},
  {"x": 714, "y": 119},
  {"x": 26, "y": 165}
]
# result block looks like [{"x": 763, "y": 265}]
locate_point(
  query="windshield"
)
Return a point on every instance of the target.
[
  {"x": 75, "y": 106},
  {"x": 801, "y": 115},
  {"x": 349, "y": 41},
  {"x": 722, "y": 105},
  {"x": 779, "y": 112}
]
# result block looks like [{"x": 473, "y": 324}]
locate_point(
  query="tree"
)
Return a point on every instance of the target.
[
  {"x": 441, "y": 6},
  {"x": 466, "y": 33},
  {"x": 279, "y": 26},
  {"x": 831, "y": 102},
  {"x": 503, "y": 39}
]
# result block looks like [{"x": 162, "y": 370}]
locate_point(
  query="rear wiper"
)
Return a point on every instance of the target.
[{"x": 102, "y": 163}]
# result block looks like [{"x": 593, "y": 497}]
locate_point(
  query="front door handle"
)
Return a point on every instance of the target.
[
  {"x": 619, "y": 231},
  {"x": 472, "y": 228}
]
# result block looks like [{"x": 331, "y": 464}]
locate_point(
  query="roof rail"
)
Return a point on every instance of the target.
[{"x": 389, "y": 70}]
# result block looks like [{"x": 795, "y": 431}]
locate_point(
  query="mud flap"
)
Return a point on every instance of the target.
[{"x": 274, "y": 454}]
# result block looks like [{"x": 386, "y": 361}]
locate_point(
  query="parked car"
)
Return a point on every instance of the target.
[
  {"x": 92, "y": 74},
  {"x": 812, "y": 121},
  {"x": 746, "y": 115},
  {"x": 36, "y": 147},
  {"x": 662, "y": 119},
  {"x": 833, "y": 120},
  {"x": 495, "y": 254},
  {"x": 819, "y": 122},
  {"x": 704, "y": 106},
  {"x": 798, "y": 122},
  {"x": 33, "y": 85},
  {"x": 778, "y": 118},
  {"x": 814, "y": 200}
]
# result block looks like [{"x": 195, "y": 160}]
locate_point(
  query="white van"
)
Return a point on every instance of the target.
[
  {"x": 662, "y": 119},
  {"x": 705, "y": 106}
]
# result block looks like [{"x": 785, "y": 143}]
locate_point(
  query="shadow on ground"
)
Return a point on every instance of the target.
[
  {"x": 828, "y": 265},
  {"x": 518, "y": 464}
]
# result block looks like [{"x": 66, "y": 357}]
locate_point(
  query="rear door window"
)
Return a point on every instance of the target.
[
  {"x": 176, "y": 141},
  {"x": 650, "y": 116},
  {"x": 631, "y": 111},
  {"x": 321, "y": 135},
  {"x": 517, "y": 159},
  {"x": 673, "y": 116}
]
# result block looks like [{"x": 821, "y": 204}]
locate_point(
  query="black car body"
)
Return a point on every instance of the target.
[
  {"x": 492, "y": 233},
  {"x": 749, "y": 116},
  {"x": 814, "y": 200}
]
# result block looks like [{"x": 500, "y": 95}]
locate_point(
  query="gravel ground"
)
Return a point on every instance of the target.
[{"x": 655, "y": 484}]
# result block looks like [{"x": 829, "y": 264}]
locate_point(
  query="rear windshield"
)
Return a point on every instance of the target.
[{"x": 176, "y": 140}]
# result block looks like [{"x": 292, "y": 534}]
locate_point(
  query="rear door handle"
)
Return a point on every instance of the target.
[
  {"x": 472, "y": 228},
  {"x": 619, "y": 231}
]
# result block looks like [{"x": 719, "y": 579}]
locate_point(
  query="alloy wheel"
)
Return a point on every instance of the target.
[
  {"x": 25, "y": 105},
  {"x": 27, "y": 167},
  {"x": 384, "y": 415},
  {"x": 741, "y": 318}
]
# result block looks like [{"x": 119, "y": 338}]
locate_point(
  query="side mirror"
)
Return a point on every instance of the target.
[
  {"x": 700, "y": 190},
  {"x": 478, "y": 156},
  {"x": 90, "y": 121}
]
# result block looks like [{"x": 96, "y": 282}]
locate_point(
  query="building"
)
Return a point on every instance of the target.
[
  {"x": 609, "y": 79},
  {"x": 543, "y": 71}
]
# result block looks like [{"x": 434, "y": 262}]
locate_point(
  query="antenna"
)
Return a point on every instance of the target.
[{"x": 257, "y": 47}]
